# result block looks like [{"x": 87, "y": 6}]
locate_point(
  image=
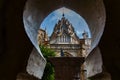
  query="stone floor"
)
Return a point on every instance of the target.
[
  {"x": 25, "y": 76},
  {"x": 101, "y": 76}
]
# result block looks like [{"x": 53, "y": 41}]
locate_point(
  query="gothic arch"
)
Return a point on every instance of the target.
[
  {"x": 35, "y": 14},
  {"x": 36, "y": 10}
]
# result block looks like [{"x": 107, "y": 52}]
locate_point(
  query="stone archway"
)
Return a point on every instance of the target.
[{"x": 33, "y": 15}]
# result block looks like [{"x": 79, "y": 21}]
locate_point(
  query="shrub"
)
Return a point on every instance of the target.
[{"x": 49, "y": 72}]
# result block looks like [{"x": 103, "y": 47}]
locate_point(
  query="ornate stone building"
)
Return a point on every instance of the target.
[
  {"x": 65, "y": 40},
  {"x": 42, "y": 37}
]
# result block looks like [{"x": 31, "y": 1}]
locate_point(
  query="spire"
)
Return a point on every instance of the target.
[
  {"x": 85, "y": 34},
  {"x": 63, "y": 15},
  {"x": 45, "y": 31},
  {"x": 45, "y": 28}
]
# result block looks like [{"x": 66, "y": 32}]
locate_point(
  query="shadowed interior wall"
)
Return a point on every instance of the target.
[
  {"x": 69, "y": 70},
  {"x": 15, "y": 43},
  {"x": 110, "y": 42},
  {"x": 16, "y": 46}
]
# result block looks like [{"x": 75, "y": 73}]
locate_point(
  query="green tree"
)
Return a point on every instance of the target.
[{"x": 49, "y": 69}]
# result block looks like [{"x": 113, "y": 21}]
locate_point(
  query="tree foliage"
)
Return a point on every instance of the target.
[
  {"x": 47, "y": 52},
  {"x": 49, "y": 69}
]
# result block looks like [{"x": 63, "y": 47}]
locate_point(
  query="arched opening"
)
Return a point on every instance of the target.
[
  {"x": 79, "y": 23},
  {"x": 34, "y": 15},
  {"x": 67, "y": 30}
]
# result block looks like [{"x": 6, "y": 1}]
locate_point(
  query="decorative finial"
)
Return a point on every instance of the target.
[
  {"x": 85, "y": 34},
  {"x": 63, "y": 15},
  {"x": 45, "y": 28}
]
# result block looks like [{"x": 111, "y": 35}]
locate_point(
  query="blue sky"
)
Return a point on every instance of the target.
[{"x": 75, "y": 19}]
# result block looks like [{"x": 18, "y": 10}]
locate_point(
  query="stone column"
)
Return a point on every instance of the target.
[{"x": 67, "y": 68}]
